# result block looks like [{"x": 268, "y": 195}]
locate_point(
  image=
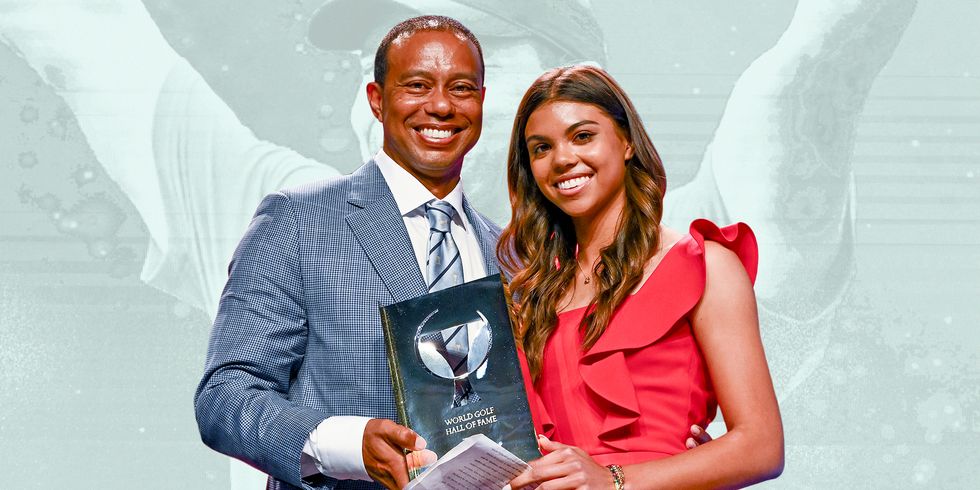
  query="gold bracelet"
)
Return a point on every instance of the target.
[{"x": 618, "y": 477}]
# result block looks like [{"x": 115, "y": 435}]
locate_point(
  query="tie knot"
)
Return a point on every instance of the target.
[{"x": 440, "y": 213}]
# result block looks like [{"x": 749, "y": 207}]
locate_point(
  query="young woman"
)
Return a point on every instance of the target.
[{"x": 632, "y": 332}]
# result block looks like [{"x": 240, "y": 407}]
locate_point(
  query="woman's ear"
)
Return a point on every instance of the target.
[{"x": 629, "y": 152}]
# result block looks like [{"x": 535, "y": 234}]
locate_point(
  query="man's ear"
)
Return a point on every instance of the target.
[
  {"x": 483, "y": 93},
  {"x": 374, "y": 95}
]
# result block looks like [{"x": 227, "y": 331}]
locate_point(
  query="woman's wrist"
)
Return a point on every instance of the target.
[{"x": 619, "y": 478}]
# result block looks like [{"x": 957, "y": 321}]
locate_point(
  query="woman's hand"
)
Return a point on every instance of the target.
[{"x": 564, "y": 467}]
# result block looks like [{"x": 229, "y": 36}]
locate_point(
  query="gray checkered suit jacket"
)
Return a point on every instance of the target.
[{"x": 297, "y": 337}]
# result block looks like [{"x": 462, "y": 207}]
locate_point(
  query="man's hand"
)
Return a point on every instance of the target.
[
  {"x": 698, "y": 437},
  {"x": 383, "y": 449}
]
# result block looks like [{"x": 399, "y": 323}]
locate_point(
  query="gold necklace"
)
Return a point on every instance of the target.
[{"x": 587, "y": 276}]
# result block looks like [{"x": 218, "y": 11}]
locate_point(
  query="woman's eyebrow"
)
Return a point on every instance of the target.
[
  {"x": 575, "y": 126},
  {"x": 570, "y": 129}
]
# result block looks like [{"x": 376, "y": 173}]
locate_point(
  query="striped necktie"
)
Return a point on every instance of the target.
[{"x": 443, "y": 265}]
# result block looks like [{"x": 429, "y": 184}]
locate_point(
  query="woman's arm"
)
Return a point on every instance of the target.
[
  {"x": 726, "y": 327},
  {"x": 727, "y": 330}
]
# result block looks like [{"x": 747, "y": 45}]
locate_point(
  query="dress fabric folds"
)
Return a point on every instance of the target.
[{"x": 634, "y": 395}]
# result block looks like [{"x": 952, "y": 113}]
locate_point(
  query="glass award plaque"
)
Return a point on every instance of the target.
[{"x": 454, "y": 368}]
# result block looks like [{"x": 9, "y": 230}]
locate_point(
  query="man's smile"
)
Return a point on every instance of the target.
[{"x": 439, "y": 135}]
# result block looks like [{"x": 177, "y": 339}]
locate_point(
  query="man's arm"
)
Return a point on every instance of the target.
[
  {"x": 257, "y": 344},
  {"x": 781, "y": 158}
]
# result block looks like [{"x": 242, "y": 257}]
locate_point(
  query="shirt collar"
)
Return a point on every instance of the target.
[{"x": 409, "y": 193}]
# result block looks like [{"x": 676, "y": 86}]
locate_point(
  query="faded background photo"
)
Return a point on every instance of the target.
[{"x": 137, "y": 138}]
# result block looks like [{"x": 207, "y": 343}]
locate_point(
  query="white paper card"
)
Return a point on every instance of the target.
[{"x": 476, "y": 462}]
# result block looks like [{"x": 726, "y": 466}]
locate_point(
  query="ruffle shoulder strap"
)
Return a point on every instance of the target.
[{"x": 671, "y": 292}]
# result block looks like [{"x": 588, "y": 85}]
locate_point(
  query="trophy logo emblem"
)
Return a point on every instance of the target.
[{"x": 454, "y": 353}]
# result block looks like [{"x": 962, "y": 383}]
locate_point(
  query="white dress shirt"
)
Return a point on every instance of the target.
[{"x": 334, "y": 446}]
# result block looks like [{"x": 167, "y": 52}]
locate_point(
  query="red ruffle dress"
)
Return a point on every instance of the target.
[{"x": 635, "y": 394}]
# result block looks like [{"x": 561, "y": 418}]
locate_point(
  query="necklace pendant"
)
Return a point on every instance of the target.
[{"x": 588, "y": 279}]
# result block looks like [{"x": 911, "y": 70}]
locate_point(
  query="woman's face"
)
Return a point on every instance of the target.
[{"x": 578, "y": 158}]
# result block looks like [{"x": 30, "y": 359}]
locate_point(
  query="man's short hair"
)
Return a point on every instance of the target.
[{"x": 420, "y": 24}]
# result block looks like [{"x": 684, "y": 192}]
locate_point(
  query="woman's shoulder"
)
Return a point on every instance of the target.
[{"x": 724, "y": 247}]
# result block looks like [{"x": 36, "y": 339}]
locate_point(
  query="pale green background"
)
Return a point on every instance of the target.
[{"x": 98, "y": 368}]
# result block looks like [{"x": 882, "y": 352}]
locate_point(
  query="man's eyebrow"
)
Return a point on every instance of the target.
[
  {"x": 415, "y": 73},
  {"x": 463, "y": 75},
  {"x": 469, "y": 75}
]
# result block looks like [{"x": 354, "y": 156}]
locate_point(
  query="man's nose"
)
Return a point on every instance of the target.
[{"x": 440, "y": 103}]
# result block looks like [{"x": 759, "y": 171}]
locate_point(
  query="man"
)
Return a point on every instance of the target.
[{"x": 297, "y": 348}]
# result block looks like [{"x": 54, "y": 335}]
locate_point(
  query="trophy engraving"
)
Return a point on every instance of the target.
[{"x": 454, "y": 353}]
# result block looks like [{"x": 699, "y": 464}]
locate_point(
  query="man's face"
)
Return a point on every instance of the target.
[{"x": 430, "y": 105}]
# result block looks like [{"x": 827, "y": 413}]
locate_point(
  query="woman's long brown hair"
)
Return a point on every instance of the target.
[{"x": 537, "y": 248}]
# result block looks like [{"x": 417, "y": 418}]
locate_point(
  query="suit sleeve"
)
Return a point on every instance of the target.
[{"x": 257, "y": 346}]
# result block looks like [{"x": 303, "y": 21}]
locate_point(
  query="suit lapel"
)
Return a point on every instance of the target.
[
  {"x": 379, "y": 228},
  {"x": 485, "y": 236}
]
